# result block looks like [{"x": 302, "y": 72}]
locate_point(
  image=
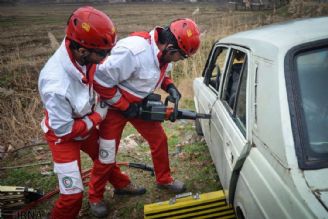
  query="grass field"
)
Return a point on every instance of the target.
[{"x": 31, "y": 33}]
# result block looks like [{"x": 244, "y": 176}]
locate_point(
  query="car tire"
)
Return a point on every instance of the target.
[{"x": 198, "y": 128}]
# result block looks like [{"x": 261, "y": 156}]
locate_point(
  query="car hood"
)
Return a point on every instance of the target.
[{"x": 317, "y": 181}]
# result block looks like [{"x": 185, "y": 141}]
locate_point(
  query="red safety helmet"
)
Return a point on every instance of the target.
[
  {"x": 187, "y": 34},
  {"x": 91, "y": 28}
]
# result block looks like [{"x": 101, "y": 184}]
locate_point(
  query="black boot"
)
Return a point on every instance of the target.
[
  {"x": 130, "y": 189},
  {"x": 99, "y": 209}
]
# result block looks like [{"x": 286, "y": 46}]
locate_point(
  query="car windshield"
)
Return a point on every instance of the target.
[{"x": 312, "y": 74}]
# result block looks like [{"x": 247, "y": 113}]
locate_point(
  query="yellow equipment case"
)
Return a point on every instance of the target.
[{"x": 188, "y": 205}]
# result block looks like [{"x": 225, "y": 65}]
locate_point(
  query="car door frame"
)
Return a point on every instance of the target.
[
  {"x": 224, "y": 115},
  {"x": 208, "y": 92}
]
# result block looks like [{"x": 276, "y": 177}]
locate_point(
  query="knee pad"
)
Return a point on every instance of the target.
[
  {"x": 107, "y": 151},
  {"x": 69, "y": 177}
]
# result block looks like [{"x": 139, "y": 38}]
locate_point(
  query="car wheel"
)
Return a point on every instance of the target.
[{"x": 198, "y": 128}]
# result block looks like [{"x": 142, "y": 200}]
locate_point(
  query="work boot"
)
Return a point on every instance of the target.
[
  {"x": 130, "y": 189},
  {"x": 99, "y": 209},
  {"x": 175, "y": 186}
]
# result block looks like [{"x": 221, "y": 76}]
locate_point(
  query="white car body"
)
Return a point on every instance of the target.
[{"x": 255, "y": 136}]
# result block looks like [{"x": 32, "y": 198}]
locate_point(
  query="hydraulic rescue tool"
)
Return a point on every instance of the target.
[
  {"x": 13, "y": 197},
  {"x": 153, "y": 109}
]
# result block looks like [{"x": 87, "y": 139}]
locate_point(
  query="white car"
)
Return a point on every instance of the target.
[{"x": 267, "y": 93}]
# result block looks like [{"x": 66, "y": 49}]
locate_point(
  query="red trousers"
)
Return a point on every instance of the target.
[
  {"x": 110, "y": 132},
  {"x": 67, "y": 165}
]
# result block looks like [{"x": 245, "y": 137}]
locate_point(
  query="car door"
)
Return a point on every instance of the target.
[
  {"x": 228, "y": 126},
  {"x": 206, "y": 90}
]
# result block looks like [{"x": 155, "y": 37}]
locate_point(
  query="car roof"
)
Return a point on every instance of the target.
[{"x": 281, "y": 36}]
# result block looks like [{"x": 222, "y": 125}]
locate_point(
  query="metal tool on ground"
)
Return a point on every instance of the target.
[
  {"x": 153, "y": 109},
  {"x": 13, "y": 198}
]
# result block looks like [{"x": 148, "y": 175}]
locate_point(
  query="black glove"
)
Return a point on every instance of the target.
[
  {"x": 132, "y": 111},
  {"x": 174, "y": 93}
]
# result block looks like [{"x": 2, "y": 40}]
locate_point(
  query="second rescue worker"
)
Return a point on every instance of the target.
[
  {"x": 72, "y": 113},
  {"x": 136, "y": 67}
]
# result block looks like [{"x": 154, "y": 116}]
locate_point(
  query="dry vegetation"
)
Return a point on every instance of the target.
[{"x": 29, "y": 35}]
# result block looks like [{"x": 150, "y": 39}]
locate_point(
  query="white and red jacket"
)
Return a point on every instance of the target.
[
  {"x": 68, "y": 97},
  {"x": 132, "y": 71}
]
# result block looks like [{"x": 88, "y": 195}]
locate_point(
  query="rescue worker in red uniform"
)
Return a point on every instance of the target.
[
  {"x": 71, "y": 109},
  {"x": 136, "y": 67}
]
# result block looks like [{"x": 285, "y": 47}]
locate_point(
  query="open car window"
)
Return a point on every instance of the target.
[
  {"x": 215, "y": 67},
  {"x": 234, "y": 88}
]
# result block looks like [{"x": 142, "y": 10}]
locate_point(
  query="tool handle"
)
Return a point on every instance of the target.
[
  {"x": 143, "y": 167},
  {"x": 174, "y": 114},
  {"x": 183, "y": 195}
]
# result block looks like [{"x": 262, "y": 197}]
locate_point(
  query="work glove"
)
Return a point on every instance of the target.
[
  {"x": 173, "y": 92},
  {"x": 101, "y": 108},
  {"x": 132, "y": 111}
]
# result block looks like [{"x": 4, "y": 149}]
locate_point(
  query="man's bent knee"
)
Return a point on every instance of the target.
[
  {"x": 69, "y": 177},
  {"x": 107, "y": 151}
]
